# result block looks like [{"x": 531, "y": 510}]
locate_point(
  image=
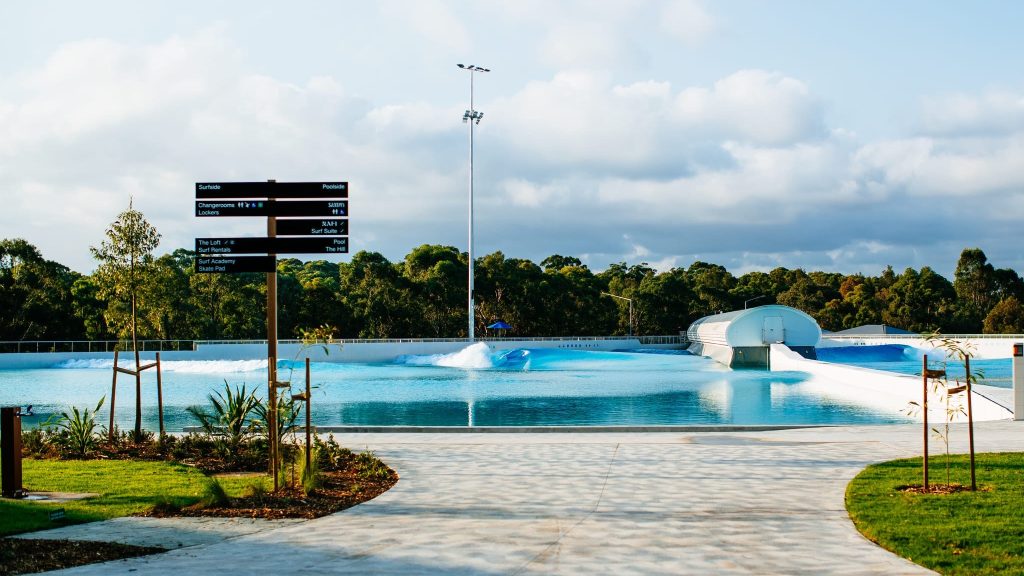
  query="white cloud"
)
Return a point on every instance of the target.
[
  {"x": 524, "y": 193},
  {"x": 949, "y": 167},
  {"x": 434, "y": 20},
  {"x": 752, "y": 105},
  {"x": 687, "y": 20},
  {"x": 581, "y": 44},
  {"x": 993, "y": 113},
  {"x": 103, "y": 121},
  {"x": 580, "y": 117},
  {"x": 586, "y": 160},
  {"x": 764, "y": 185},
  {"x": 582, "y": 120},
  {"x": 90, "y": 85}
]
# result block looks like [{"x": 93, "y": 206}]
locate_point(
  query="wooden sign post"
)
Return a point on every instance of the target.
[{"x": 327, "y": 234}]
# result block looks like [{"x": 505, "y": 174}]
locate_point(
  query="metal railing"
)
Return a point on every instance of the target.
[
  {"x": 660, "y": 339},
  {"x": 922, "y": 336},
  {"x": 643, "y": 340},
  {"x": 49, "y": 346}
]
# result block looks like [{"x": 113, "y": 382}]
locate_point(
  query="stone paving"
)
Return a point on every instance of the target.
[
  {"x": 162, "y": 532},
  {"x": 586, "y": 503}
]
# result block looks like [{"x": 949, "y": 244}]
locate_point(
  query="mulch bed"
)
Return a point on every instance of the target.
[
  {"x": 941, "y": 489},
  {"x": 338, "y": 490},
  {"x": 19, "y": 556}
]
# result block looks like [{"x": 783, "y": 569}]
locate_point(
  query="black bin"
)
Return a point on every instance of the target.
[{"x": 10, "y": 452}]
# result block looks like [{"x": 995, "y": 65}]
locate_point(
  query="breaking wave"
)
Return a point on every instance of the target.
[
  {"x": 182, "y": 366},
  {"x": 477, "y": 356}
]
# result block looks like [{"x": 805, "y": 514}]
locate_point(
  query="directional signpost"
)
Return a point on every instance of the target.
[
  {"x": 323, "y": 230},
  {"x": 276, "y": 245},
  {"x": 217, "y": 190},
  {"x": 317, "y": 227},
  {"x": 324, "y": 208},
  {"x": 234, "y": 264}
]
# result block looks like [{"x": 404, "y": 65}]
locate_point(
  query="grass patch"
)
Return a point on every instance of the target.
[
  {"x": 125, "y": 487},
  {"x": 976, "y": 533}
]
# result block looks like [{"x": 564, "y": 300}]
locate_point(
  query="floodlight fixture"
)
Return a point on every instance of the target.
[{"x": 471, "y": 117}]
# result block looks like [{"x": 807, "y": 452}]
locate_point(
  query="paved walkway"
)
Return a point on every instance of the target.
[{"x": 603, "y": 503}]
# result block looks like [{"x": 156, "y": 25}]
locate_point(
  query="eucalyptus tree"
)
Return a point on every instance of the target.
[
  {"x": 976, "y": 288},
  {"x": 922, "y": 302},
  {"x": 126, "y": 259},
  {"x": 1006, "y": 317},
  {"x": 437, "y": 274},
  {"x": 379, "y": 297},
  {"x": 36, "y": 299}
]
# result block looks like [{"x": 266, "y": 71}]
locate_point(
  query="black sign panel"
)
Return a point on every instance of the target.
[
  {"x": 317, "y": 227},
  {"x": 209, "y": 246},
  {"x": 312, "y": 245},
  {"x": 324, "y": 208},
  {"x": 305, "y": 245},
  {"x": 232, "y": 208},
  {"x": 212, "y": 190},
  {"x": 232, "y": 264}
]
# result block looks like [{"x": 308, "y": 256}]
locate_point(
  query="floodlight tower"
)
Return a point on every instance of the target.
[{"x": 471, "y": 117}]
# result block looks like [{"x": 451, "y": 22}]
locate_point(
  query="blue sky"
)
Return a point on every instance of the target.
[{"x": 826, "y": 135}]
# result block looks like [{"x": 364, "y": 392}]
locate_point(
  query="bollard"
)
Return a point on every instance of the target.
[
  {"x": 10, "y": 452},
  {"x": 1018, "y": 381}
]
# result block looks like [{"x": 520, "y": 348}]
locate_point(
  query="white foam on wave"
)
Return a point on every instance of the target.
[
  {"x": 215, "y": 366},
  {"x": 473, "y": 357},
  {"x": 183, "y": 366},
  {"x": 85, "y": 363}
]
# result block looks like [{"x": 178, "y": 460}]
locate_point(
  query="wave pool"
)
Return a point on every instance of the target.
[
  {"x": 473, "y": 387},
  {"x": 904, "y": 359}
]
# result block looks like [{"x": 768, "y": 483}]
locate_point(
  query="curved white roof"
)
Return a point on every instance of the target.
[{"x": 758, "y": 326}]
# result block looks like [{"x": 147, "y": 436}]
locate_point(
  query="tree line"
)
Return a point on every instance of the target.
[{"x": 424, "y": 296}]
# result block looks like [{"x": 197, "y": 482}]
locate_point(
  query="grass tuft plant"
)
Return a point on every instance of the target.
[
  {"x": 213, "y": 494},
  {"x": 310, "y": 477},
  {"x": 78, "y": 434},
  {"x": 230, "y": 415}
]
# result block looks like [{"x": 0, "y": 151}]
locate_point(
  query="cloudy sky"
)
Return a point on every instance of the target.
[{"x": 828, "y": 135}]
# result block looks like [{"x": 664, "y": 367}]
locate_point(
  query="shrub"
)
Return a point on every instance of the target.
[
  {"x": 231, "y": 414},
  {"x": 39, "y": 442},
  {"x": 329, "y": 455},
  {"x": 78, "y": 436},
  {"x": 369, "y": 467}
]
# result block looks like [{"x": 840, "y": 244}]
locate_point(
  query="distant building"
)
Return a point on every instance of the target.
[
  {"x": 742, "y": 338},
  {"x": 873, "y": 330}
]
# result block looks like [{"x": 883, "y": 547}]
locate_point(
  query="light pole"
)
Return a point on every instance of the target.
[
  {"x": 471, "y": 117},
  {"x": 630, "y": 300}
]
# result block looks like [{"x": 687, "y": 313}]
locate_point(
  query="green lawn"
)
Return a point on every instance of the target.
[
  {"x": 125, "y": 487},
  {"x": 964, "y": 533}
]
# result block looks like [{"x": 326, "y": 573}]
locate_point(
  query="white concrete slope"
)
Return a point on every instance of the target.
[
  {"x": 988, "y": 346},
  {"x": 882, "y": 390}
]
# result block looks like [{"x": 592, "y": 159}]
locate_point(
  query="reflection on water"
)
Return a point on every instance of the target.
[{"x": 473, "y": 387}]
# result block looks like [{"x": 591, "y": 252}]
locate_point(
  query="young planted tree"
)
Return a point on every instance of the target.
[{"x": 125, "y": 257}]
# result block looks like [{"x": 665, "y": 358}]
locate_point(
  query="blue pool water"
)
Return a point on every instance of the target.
[
  {"x": 907, "y": 360},
  {"x": 475, "y": 386}
]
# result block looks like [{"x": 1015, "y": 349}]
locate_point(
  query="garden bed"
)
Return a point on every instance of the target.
[{"x": 192, "y": 475}]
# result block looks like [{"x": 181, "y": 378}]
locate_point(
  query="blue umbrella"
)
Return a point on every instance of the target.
[{"x": 499, "y": 325}]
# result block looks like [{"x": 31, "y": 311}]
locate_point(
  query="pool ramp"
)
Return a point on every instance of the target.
[{"x": 883, "y": 390}]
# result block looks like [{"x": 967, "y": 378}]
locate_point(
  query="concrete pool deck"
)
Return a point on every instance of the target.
[{"x": 764, "y": 502}]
